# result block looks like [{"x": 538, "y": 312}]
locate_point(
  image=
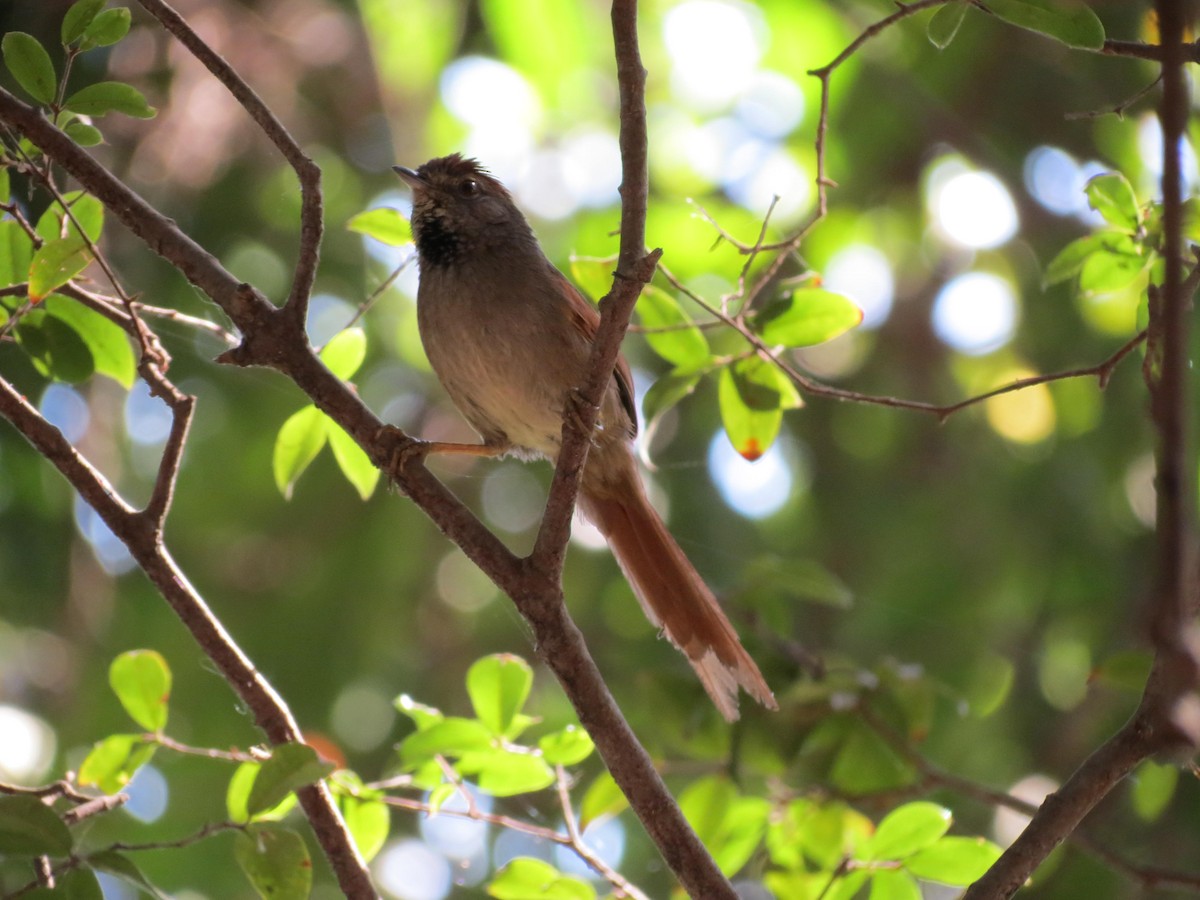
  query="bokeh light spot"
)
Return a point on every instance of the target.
[
  {"x": 409, "y": 870},
  {"x": 863, "y": 274},
  {"x": 754, "y": 489},
  {"x": 362, "y": 717},
  {"x": 970, "y": 207},
  {"x": 28, "y": 746},
  {"x": 975, "y": 313},
  {"x": 66, "y": 410},
  {"x": 715, "y": 48},
  {"x": 148, "y": 794},
  {"x": 147, "y": 419},
  {"x": 1025, "y": 416}
]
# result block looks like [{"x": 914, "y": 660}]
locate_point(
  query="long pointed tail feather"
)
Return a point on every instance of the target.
[{"x": 671, "y": 592}]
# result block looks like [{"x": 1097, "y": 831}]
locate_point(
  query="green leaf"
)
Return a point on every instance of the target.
[
  {"x": 55, "y": 348},
  {"x": 114, "y": 863},
  {"x": 889, "y": 884},
  {"x": 112, "y": 762},
  {"x": 1153, "y": 787},
  {"x": 369, "y": 822},
  {"x": 1069, "y": 21},
  {"x": 907, "y": 829},
  {"x": 291, "y": 766},
  {"x": 30, "y": 65},
  {"x": 498, "y": 686},
  {"x": 440, "y": 794},
  {"x": 684, "y": 346},
  {"x": 83, "y": 134},
  {"x": 1071, "y": 258},
  {"x": 568, "y": 747},
  {"x": 990, "y": 683},
  {"x": 866, "y": 764},
  {"x": 666, "y": 393},
  {"x": 107, "y": 28},
  {"x": 452, "y": 736},
  {"x": 299, "y": 441},
  {"x": 276, "y": 861},
  {"x": 593, "y": 275},
  {"x": 76, "y": 884},
  {"x": 5, "y": 186},
  {"x": 16, "y": 252},
  {"x": 705, "y": 803},
  {"x": 237, "y": 796},
  {"x": 423, "y": 716},
  {"x": 141, "y": 680},
  {"x": 505, "y": 773},
  {"x": 1112, "y": 196},
  {"x": 112, "y": 353},
  {"x": 386, "y": 225},
  {"x": 87, "y": 213},
  {"x": 345, "y": 352},
  {"x": 806, "y": 317},
  {"x": 954, "y": 860},
  {"x": 110, "y": 96},
  {"x": 1107, "y": 271},
  {"x": 532, "y": 879},
  {"x": 28, "y": 827},
  {"x": 944, "y": 24},
  {"x": 352, "y": 460},
  {"x": 602, "y": 800},
  {"x": 752, "y": 395},
  {"x": 55, "y": 263},
  {"x": 78, "y": 18}
]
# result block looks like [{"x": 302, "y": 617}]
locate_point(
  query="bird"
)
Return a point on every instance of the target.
[{"x": 509, "y": 338}]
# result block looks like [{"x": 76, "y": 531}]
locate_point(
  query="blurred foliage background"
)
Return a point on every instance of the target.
[{"x": 984, "y": 576}]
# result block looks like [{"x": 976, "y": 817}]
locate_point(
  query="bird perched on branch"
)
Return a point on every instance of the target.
[{"x": 509, "y": 338}]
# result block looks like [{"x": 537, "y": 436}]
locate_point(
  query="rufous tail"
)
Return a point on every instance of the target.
[{"x": 673, "y": 595}]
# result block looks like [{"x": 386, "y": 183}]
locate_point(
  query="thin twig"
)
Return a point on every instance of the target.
[{"x": 307, "y": 172}]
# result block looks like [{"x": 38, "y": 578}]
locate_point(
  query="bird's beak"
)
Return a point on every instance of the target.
[{"x": 411, "y": 178}]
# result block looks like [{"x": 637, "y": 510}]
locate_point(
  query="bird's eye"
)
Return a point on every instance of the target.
[{"x": 469, "y": 188}]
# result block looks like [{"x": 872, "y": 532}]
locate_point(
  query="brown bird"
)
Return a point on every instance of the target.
[{"x": 509, "y": 338}]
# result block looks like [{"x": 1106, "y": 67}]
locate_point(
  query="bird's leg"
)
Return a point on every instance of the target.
[{"x": 405, "y": 450}]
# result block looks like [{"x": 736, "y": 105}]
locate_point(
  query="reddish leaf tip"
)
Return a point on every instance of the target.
[{"x": 751, "y": 450}]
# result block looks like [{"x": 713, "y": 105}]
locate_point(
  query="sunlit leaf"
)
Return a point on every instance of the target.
[
  {"x": 889, "y": 884},
  {"x": 237, "y": 797},
  {"x": 666, "y": 392},
  {"x": 568, "y": 747},
  {"x": 276, "y": 861},
  {"x": 907, "y": 829},
  {"x": 141, "y": 679},
  {"x": 345, "y": 352},
  {"x": 498, "y": 686},
  {"x": 28, "y": 827},
  {"x": 78, "y": 17},
  {"x": 5, "y": 186},
  {"x": 505, "y": 773},
  {"x": 423, "y": 716},
  {"x": 1071, "y": 258},
  {"x": 593, "y": 275},
  {"x": 452, "y": 736},
  {"x": 16, "y": 252},
  {"x": 525, "y": 878},
  {"x": 806, "y": 317},
  {"x": 369, "y": 822},
  {"x": 953, "y": 860},
  {"x": 384, "y": 224},
  {"x": 944, "y": 24},
  {"x": 1152, "y": 788},
  {"x": 752, "y": 395},
  {"x": 112, "y": 353},
  {"x": 299, "y": 441},
  {"x": 291, "y": 766},
  {"x": 56, "y": 349},
  {"x": 83, "y": 134},
  {"x": 684, "y": 344},
  {"x": 865, "y": 764},
  {"x": 103, "y": 97},
  {"x": 112, "y": 762},
  {"x": 1107, "y": 271},
  {"x": 705, "y": 803},
  {"x": 353, "y": 461},
  {"x": 1112, "y": 196},
  {"x": 55, "y": 263},
  {"x": 1069, "y": 21},
  {"x": 30, "y": 65},
  {"x": 601, "y": 800},
  {"x": 107, "y": 28}
]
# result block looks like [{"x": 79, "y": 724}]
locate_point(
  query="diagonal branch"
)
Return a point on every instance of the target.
[{"x": 308, "y": 172}]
